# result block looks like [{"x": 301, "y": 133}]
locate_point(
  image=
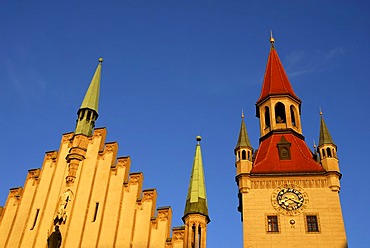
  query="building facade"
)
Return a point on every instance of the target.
[
  {"x": 85, "y": 196},
  {"x": 288, "y": 195}
]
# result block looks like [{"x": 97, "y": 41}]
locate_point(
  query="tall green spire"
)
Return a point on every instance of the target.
[
  {"x": 243, "y": 140},
  {"x": 88, "y": 112},
  {"x": 91, "y": 100},
  {"x": 325, "y": 137},
  {"x": 196, "y": 201}
]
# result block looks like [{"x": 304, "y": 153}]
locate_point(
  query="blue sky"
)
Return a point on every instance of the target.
[{"x": 176, "y": 69}]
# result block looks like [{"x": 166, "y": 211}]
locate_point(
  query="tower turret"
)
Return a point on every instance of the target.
[
  {"x": 278, "y": 107},
  {"x": 243, "y": 150},
  {"x": 328, "y": 155},
  {"x": 196, "y": 210},
  {"x": 88, "y": 112},
  {"x": 87, "y": 115}
]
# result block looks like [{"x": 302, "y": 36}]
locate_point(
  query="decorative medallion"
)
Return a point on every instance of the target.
[{"x": 289, "y": 199}]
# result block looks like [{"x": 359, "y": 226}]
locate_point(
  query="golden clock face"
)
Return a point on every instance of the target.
[{"x": 289, "y": 199}]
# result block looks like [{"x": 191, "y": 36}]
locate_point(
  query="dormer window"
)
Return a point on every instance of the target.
[{"x": 284, "y": 149}]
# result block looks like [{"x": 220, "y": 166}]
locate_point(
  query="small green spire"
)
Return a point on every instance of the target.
[
  {"x": 88, "y": 112},
  {"x": 325, "y": 137},
  {"x": 243, "y": 140},
  {"x": 91, "y": 100},
  {"x": 196, "y": 201}
]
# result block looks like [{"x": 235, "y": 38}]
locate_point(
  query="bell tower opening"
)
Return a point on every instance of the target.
[{"x": 280, "y": 113}]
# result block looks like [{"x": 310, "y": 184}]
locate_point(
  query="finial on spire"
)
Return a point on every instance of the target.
[
  {"x": 100, "y": 60},
  {"x": 272, "y": 40},
  {"x": 242, "y": 113},
  {"x": 198, "y": 138},
  {"x": 320, "y": 111},
  {"x": 314, "y": 144}
]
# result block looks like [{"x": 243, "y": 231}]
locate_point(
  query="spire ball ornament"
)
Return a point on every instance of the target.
[
  {"x": 101, "y": 60},
  {"x": 198, "y": 138}
]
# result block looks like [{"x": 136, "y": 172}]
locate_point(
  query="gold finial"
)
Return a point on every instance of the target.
[
  {"x": 320, "y": 111},
  {"x": 314, "y": 144},
  {"x": 272, "y": 40},
  {"x": 198, "y": 138},
  {"x": 100, "y": 60},
  {"x": 242, "y": 113}
]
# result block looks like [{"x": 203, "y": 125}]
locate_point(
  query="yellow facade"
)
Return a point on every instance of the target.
[{"x": 106, "y": 205}]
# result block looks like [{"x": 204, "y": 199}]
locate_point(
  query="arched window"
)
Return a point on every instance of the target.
[
  {"x": 292, "y": 115},
  {"x": 238, "y": 155},
  {"x": 328, "y": 151},
  {"x": 267, "y": 117},
  {"x": 323, "y": 153},
  {"x": 244, "y": 155},
  {"x": 88, "y": 115},
  {"x": 280, "y": 113},
  {"x": 249, "y": 155}
]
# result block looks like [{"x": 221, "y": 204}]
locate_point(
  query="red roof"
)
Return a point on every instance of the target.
[
  {"x": 268, "y": 161},
  {"x": 275, "y": 81}
]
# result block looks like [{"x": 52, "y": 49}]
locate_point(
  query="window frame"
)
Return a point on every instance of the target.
[
  {"x": 307, "y": 223},
  {"x": 273, "y": 230}
]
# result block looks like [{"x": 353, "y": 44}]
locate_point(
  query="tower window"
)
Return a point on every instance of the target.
[
  {"x": 244, "y": 155},
  {"x": 280, "y": 113},
  {"x": 323, "y": 153},
  {"x": 272, "y": 224},
  {"x": 292, "y": 115},
  {"x": 267, "y": 117},
  {"x": 312, "y": 223},
  {"x": 328, "y": 151}
]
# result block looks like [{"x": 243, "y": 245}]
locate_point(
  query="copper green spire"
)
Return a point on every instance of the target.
[
  {"x": 91, "y": 99},
  {"x": 243, "y": 140},
  {"x": 196, "y": 201},
  {"x": 325, "y": 137},
  {"x": 88, "y": 112}
]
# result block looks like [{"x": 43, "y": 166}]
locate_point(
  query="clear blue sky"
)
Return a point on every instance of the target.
[{"x": 176, "y": 69}]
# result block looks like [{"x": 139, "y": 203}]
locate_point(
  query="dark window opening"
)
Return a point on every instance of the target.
[
  {"x": 292, "y": 115},
  {"x": 193, "y": 237},
  {"x": 328, "y": 151},
  {"x": 272, "y": 223},
  {"x": 82, "y": 113},
  {"x": 88, "y": 115},
  {"x": 96, "y": 211},
  {"x": 267, "y": 117},
  {"x": 284, "y": 149},
  {"x": 249, "y": 155},
  {"x": 323, "y": 153},
  {"x": 312, "y": 225},
  {"x": 280, "y": 113},
  {"x": 35, "y": 220},
  {"x": 244, "y": 155}
]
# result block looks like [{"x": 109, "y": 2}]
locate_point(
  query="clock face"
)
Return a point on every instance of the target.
[{"x": 289, "y": 199}]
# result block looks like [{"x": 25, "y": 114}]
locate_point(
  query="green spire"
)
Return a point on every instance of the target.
[
  {"x": 196, "y": 201},
  {"x": 325, "y": 137},
  {"x": 91, "y": 99},
  {"x": 88, "y": 112},
  {"x": 243, "y": 140}
]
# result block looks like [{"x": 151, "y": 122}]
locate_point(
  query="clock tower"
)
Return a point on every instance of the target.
[{"x": 288, "y": 195}]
